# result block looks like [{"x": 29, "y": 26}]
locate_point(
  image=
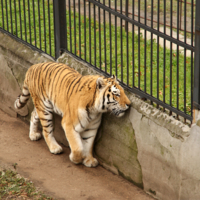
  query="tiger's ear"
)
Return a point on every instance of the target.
[
  {"x": 100, "y": 83},
  {"x": 115, "y": 78}
]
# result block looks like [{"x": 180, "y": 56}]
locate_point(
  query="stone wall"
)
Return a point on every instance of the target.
[{"x": 146, "y": 146}]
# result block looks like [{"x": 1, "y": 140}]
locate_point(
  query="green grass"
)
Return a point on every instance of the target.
[
  {"x": 13, "y": 186},
  {"x": 141, "y": 67}
]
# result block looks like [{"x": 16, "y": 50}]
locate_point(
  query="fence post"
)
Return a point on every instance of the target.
[
  {"x": 196, "y": 91},
  {"x": 60, "y": 28},
  {"x": 126, "y": 25}
]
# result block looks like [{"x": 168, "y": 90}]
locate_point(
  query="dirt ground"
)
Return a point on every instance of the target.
[{"x": 55, "y": 174}]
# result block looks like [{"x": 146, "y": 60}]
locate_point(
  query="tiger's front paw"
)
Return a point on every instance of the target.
[
  {"x": 35, "y": 136},
  {"x": 56, "y": 149},
  {"x": 76, "y": 157},
  {"x": 90, "y": 162}
]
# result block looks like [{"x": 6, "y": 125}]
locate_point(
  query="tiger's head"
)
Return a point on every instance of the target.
[{"x": 111, "y": 96}]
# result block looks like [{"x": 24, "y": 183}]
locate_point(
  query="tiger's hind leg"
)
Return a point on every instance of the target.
[
  {"x": 46, "y": 119},
  {"x": 34, "y": 134}
]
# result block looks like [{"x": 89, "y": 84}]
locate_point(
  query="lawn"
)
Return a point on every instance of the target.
[
  {"x": 13, "y": 186},
  {"x": 156, "y": 70}
]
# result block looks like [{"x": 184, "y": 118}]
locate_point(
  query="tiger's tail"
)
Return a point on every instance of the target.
[{"x": 22, "y": 99}]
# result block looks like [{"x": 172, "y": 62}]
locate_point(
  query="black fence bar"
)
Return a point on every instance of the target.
[
  {"x": 60, "y": 26},
  {"x": 196, "y": 93}
]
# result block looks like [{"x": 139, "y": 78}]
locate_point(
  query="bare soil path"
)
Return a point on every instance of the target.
[{"x": 55, "y": 174}]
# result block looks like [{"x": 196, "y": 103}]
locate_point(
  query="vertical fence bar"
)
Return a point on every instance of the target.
[
  {"x": 79, "y": 22},
  {"x": 74, "y": 5},
  {"x": 90, "y": 35},
  {"x": 7, "y": 16},
  {"x": 99, "y": 12},
  {"x": 29, "y": 20},
  {"x": 185, "y": 29},
  {"x": 3, "y": 13},
  {"x": 25, "y": 20},
  {"x": 39, "y": 23},
  {"x": 164, "y": 52},
  {"x": 196, "y": 91},
  {"x": 49, "y": 19},
  {"x": 145, "y": 49},
  {"x": 158, "y": 28},
  {"x": 84, "y": 29},
  {"x": 44, "y": 27},
  {"x": 95, "y": 43},
  {"x": 20, "y": 19},
  {"x": 121, "y": 43},
  {"x": 116, "y": 40},
  {"x": 11, "y": 21},
  {"x": 151, "y": 73},
  {"x": 34, "y": 22},
  {"x": 60, "y": 26},
  {"x": 126, "y": 25},
  {"x": 133, "y": 60},
  {"x": 104, "y": 21},
  {"x": 70, "y": 26},
  {"x": 139, "y": 46},
  {"x": 110, "y": 33},
  {"x": 15, "y": 18},
  {"x": 171, "y": 18},
  {"x": 127, "y": 53},
  {"x": 177, "y": 60},
  {"x": 192, "y": 54}
]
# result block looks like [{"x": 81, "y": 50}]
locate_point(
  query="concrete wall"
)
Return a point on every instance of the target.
[{"x": 146, "y": 146}]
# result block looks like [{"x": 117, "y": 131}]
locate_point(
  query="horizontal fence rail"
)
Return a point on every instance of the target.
[{"x": 147, "y": 44}]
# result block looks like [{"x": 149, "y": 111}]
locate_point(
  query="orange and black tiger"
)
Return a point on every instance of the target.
[{"x": 80, "y": 100}]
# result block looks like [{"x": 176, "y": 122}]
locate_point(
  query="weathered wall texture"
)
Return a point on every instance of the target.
[{"x": 146, "y": 146}]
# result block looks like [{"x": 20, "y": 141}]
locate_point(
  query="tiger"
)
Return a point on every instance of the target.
[{"x": 79, "y": 100}]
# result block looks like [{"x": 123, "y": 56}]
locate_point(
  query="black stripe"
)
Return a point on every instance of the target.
[
  {"x": 64, "y": 78},
  {"x": 70, "y": 87},
  {"x": 48, "y": 120},
  {"x": 68, "y": 79},
  {"x": 111, "y": 102},
  {"x": 89, "y": 84},
  {"x": 76, "y": 84},
  {"x": 94, "y": 97},
  {"x": 91, "y": 129},
  {"x": 80, "y": 123},
  {"x": 103, "y": 100},
  {"x": 87, "y": 110},
  {"x": 75, "y": 129},
  {"x": 26, "y": 95},
  {"x": 53, "y": 81},
  {"x": 55, "y": 84},
  {"x": 48, "y": 125},
  {"x": 47, "y": 112},
  {"x": 87, "y": 137},
  {"x": 84, "y": 84}
]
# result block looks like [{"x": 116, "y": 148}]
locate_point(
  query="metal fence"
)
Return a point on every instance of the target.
[
  {"x": 30, "y": 21},
  {"x": 140, "y": 41}
]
